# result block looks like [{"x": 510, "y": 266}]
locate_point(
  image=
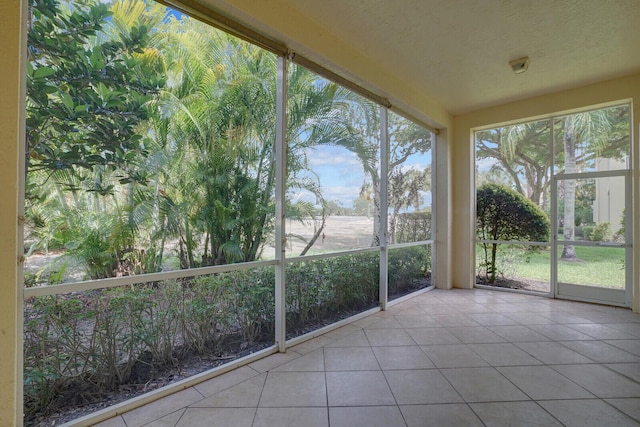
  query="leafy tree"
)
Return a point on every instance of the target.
[
  {"x": 404, "y": 192},
  {"x": 86, "y": 89},
  {"x": 92, "y": 70},
  {"x": 523, "y": 151},
  {"x": 505, "y": 214}
]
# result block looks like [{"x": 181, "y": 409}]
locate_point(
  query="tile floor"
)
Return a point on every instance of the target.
[{"x": 444, "y": 358}]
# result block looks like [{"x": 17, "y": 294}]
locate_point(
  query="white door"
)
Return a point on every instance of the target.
[{"x": 592, "y": 262}]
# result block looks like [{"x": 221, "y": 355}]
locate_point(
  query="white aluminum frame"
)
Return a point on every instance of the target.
[
  {"x": 594, "y": 293},
  {"x": 581, "y": 292},
  {"x": 280, "y": 262}
]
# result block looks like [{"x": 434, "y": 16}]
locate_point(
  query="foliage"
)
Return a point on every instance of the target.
[
  {"x": 598, "y": 233},
  {"x": 319, "y": 290},
  {"x": 412, "y": 227},
  {"x": 82, "y": 345},
  {"x": 521, "y": 153},
  {"x": 409, "y": 269},
  {"x": 504, "y": 214},
  {"x": 86, "y": 92}
]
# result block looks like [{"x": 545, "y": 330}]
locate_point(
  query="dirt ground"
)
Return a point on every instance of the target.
[{"x": 339, "y": 233}]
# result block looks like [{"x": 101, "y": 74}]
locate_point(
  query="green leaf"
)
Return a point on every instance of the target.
[
  {"x": 43, "y": 72},
  {"x": 66, "y": 100}
]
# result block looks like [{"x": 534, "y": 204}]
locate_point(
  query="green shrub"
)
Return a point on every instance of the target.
[
  {"x": 321, "y": 290},
  {"x": 505, "y": 214},
  {"x": 408, "y": 267},
  {"x": 412, "y": 227},
  {"x": 598, "y": 233}
]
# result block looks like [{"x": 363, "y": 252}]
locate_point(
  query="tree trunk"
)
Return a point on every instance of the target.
[{"x": 568, "y": 227}]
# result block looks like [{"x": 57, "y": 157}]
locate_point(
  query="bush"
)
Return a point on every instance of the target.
[
  {"x": 79, "y": 347},
  {"x": 321, "y": 290},
  {"x": 598, "y": 233},
  {"x": 412, "y": 227},
  {"x": 504, "y": 214},
  {"x": 409, "y": 269}
]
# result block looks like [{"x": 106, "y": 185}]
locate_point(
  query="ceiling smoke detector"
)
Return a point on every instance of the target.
[{"x": 519, "y": 65}]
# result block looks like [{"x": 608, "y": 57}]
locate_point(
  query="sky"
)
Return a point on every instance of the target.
[{"x": 341, "y": 174}]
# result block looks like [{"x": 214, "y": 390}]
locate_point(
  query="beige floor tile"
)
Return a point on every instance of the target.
[
  {"x": 113, "y": 422},
  {"x": 356, "y": 339},
  {"x": 407, "y": 307},
  {"x": 389, "y": 337},
  {"x": 311, "y": 362},
  {"x": 533, "y": 307},
  {"x": 491, "y": 319},
  {"x": 312, "y": 344},
  {"x": 483, "y": 385},
  {"x": 517, "y": 333},
  {"x": 600, "y": 380},
  {"x": 161, "y": 407},
  {"x": 453, "y": 356},
  {"x": 558, "y": 332},
  {"x": 602, "y": 332},
  {"x": 473, "y": 308},
  {"x": 521, "y": 414},
  {"x": 438, "y": 308},
  {"x": 503, "y": 354},
  {"x": 224, "y": 381},
  {"x": 402, "y": 357},
  {"x": 168, "y": 420},
  {"x": 217, "y": 417},
  {"x": 552, "y": 353},
  {"x": 342, "y": 332},
  {"x": 630, "y": 370},
  {"x": 388, "y": 323},
  {"x": 366, "y": 321},
  {"x": 350, "y": 359},
  {"x": 631, "y": 328},
  {"x": 455, "y": 414},
  {"x": 475, "y": 334},
  {"x": 601, "y": 352},
  {"x": 427, "y": 336},
  {"x": 527, "y": 319},
  {"x": 358, "y": 389},
  {"x": 566, "y": 318},
  {"x": 284, "y": 389},
  {"x": 415, "y": 321},
  {"x": 631, "y": 407},
  {"x": 543, "y": 383},
  {"x": 504, "y": 307},
  {"x": 273, "y": 361},
  {"x": 587, "y": 413},
  {"x": 369, "y": 416},
  {"x": 424, "y": 386},
  {"x": 453, "y": 320},
  {"x": 244, "y": 395},
  {"x": 291, "y": 417},
  {"x": 632, "y": 346}
]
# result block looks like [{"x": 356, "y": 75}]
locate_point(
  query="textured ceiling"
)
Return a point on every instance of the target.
[{"x": 458, "y": 51}]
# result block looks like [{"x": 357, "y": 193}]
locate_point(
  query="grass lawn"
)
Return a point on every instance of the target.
[{"x": 598, "y": 266}]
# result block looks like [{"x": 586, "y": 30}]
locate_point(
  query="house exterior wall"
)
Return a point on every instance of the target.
[
  {"x": 608, "y": 205},
  {"x": 462, "y": 184}
]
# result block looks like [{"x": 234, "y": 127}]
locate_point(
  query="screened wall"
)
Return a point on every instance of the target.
[
  {"x": 192, "y": 200},
  {"x": 552, "y": 204}
]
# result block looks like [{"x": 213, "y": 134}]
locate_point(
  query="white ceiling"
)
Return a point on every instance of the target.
[{"x": 458, "y": 51}]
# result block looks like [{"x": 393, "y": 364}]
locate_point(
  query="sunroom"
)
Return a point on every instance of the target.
[{"x": 256, "y": 214}]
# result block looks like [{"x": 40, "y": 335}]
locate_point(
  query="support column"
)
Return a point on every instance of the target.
[
  {"x": 384, "y": 209},
  {"x": 280, "y": 151},
  {"x": 12, "y": 136},
  {"x": 441, "y": 270}
]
